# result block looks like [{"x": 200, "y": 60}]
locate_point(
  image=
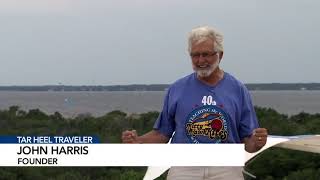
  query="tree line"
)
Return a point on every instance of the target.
[
  {"x": 156, "y": 87},
  {"x": 275, "y": 163}
]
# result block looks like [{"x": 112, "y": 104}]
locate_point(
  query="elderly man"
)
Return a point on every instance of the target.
[{"x": 207, "y": 106}]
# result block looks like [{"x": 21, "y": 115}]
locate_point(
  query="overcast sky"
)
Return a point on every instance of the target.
[{"x": 112, "y": 42}]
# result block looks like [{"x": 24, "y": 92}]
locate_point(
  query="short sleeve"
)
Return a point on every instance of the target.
[
  {"x": 165, "y": 123},
  {"x": 248, "y": 121}
]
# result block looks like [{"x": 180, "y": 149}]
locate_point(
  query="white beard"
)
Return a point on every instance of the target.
[{"x": 207, "y": 71}]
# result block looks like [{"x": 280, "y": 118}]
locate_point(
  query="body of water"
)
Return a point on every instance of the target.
[{"x": 71, "y": 104}]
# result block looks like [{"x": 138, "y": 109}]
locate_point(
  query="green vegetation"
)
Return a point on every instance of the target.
[
  {"x": 277, "y": 163},
  {"x": 273, "y": 164}
]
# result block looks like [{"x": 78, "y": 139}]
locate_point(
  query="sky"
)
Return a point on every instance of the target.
[{"x": 119, "y": 42}]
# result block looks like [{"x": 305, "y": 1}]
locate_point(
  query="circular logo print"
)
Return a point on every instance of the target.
[{"x": 207, "y": 124}]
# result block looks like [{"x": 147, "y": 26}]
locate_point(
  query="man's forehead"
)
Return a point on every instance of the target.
[{"x": 203, "y": 43}]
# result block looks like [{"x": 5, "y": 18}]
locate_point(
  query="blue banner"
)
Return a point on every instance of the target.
[{"x": 49, "y": 139}]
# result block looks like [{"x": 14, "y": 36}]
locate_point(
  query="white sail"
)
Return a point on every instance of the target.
[{"x": 307, "y": 143}]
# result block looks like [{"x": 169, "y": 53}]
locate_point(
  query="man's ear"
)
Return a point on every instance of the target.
[{"x": 220, "y": 56}]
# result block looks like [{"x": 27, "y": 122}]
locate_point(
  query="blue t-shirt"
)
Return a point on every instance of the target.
[{"x": 199, "y": 113}]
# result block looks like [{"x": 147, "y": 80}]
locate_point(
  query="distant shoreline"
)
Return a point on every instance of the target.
[{"x": 158, "y": 87}]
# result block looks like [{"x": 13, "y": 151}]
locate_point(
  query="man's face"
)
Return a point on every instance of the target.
[{"x": 204, "y": 59}]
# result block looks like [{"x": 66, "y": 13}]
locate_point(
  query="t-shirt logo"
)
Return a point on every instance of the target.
[{"x": 207, "y": 124}]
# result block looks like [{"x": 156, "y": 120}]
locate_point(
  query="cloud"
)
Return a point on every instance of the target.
[
  {"x": 57, "y": 7},
  {"x": 23, "y": 7}
]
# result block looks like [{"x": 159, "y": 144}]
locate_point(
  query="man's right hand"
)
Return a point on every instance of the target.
[{"x": 130, "y": 137}]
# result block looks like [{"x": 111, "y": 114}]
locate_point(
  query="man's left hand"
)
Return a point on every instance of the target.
[{"x": 260, "y": 137}]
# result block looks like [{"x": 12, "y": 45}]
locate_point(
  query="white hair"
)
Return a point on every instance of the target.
[{"x": 200, "y": 34}]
